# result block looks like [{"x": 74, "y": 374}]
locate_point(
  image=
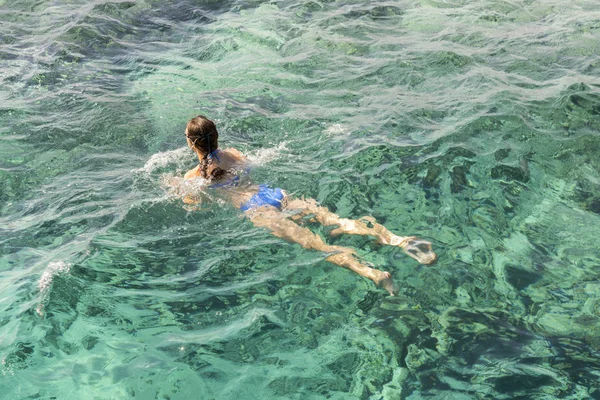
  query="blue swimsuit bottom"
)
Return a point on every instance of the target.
[{"x": 266, "y": 196}]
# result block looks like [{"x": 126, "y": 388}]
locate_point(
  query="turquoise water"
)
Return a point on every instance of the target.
[{"x": 472, "y": 124}]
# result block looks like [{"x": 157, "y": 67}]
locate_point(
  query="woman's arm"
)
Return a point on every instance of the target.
[{"x": 189, "y": 199}]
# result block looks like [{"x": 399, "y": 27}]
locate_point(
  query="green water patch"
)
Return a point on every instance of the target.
[
  {"x": 575, "y": 112},
  {"x": 470, "y": 124}
]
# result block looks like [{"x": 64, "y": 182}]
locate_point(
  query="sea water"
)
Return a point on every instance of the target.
[{"x": 472, "y": 124}]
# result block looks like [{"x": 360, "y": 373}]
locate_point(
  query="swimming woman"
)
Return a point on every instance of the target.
[{"x": 274, "y": 210}]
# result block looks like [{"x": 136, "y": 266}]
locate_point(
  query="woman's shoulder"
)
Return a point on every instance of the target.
[
  {"x": 235, "y": 153},
  {"x": 233, "y": 158}
]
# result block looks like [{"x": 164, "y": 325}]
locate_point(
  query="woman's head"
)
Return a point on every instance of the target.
[{"x": 202, "y": 135}]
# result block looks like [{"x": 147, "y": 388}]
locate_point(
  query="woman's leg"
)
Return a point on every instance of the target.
[
  {"x": 282, "y": 227},
  {"x": 416, "y": 248}
]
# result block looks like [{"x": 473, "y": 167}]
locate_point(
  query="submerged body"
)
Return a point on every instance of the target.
[
  {"x": 245, "y": 197},
  {"x": 274, "y": 210}
]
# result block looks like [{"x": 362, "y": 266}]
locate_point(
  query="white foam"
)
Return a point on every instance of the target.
[
  {"x": 178, "y": 161},
  {"x": 163, "y": 159},
  {"x": 336, "y": 129},
  {"x": 177, "y": 186},
  {"x": 266, "y": 155},
  {"x": 53, "y": 268},
  {"x": 180, "y": 158}
]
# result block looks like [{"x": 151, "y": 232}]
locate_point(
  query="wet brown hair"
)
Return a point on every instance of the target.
[{"x": 202, "y": 132}]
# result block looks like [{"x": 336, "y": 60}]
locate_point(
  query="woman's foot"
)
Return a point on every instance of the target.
[
  {"x": 414, "y": 247},
  {"x": 384, "y": 280}
]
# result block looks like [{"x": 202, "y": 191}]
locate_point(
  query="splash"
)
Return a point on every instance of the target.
[
  {"x": 164, "y": 160},
  {"x": 177, "y": 187},
  {"x": 336, "y": 129},
  {"x": 165, "y": 171},
  {"x": 50, "y": 272},
  {"x": 266, "y": 155},
  {"x": 180, "y": 159},
  {"x": 53, "y": 269}
]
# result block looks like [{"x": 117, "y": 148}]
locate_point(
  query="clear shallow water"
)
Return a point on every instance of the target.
[{"x": 471, "y": 124}]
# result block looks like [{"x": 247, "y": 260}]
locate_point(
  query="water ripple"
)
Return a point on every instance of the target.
[{"x": 473, "y": 124}]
